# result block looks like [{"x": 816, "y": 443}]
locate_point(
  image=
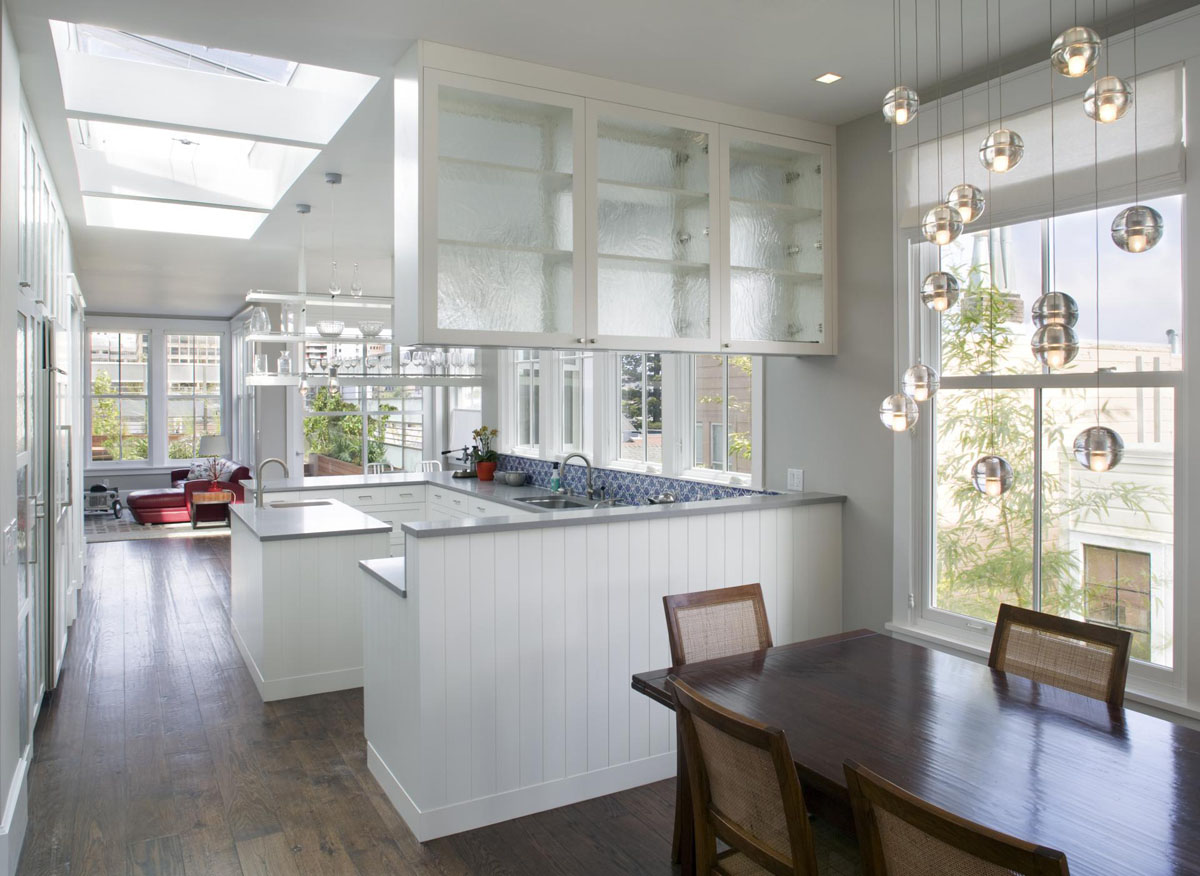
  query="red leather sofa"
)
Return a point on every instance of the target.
[{"x": 172, "y": 504}]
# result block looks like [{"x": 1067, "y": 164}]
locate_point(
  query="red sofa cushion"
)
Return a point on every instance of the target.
[{"x": 163, "y": 498}]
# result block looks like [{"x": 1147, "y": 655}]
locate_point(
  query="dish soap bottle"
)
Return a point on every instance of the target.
[{"x": 555, "y": 480}]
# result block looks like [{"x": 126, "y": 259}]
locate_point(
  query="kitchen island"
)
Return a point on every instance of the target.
[{"x": 295, "y": 603}]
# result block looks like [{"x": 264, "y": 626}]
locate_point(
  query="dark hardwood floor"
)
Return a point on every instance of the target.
[{"x": 155, "y": 755}]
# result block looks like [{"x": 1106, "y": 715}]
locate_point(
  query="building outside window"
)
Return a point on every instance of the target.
[
  {"x": 193, "y": 392},
  {"x": 1061, "y": 530},
  {"x": 120, "y": 375},
  {"x": 722, "y": 388}
]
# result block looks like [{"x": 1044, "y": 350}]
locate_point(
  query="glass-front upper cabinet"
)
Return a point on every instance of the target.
[
  {"x": 779, "y": 290},
  {"x": 505, "y": 252},
  {"x": 652, "y": 190}
]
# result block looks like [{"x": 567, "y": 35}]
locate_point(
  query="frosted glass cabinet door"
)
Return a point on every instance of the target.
[
  {"x": 652, "y": 192},
  {"x": 778, "y": 285},
  {"x": 504, "y": 263}
]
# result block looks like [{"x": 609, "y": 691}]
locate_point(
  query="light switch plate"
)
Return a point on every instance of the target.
[{"x": 796, "y": 479}]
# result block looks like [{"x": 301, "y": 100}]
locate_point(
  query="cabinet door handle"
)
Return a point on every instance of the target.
[
  {"x": 579, "y": 340},
  {"x": 368, "y": 496}
]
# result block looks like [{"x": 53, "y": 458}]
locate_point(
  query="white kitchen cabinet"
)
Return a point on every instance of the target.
[
  {"x": 541, "y": 208},
  {"x": 776, "y": 222}
]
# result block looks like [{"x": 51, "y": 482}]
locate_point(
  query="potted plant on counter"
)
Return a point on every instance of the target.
[{"x": 484, "y": 455}]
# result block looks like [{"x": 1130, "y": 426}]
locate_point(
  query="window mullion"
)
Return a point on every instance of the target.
[{"x": 1038, "y": 492}]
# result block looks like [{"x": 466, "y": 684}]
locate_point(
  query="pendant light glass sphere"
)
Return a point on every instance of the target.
[
  {"x": 992, "y": 475},
  {"x": 1075, "y": 52},
  {"x": 920, "y": 382},
  {"x": 968, "y": 200},
  {"x": 898, "y": 412},
  {"x": 1055, "y": 345},
  {"x": 1137, "y": 228},
  {"x": 900, "y": 105},
  {"x": 1107, "y": 99},
  {"x": 1001, "y": 150},
  {"x": 1099, "y": 448},
  {"x": 1055, "y": 308},
  {"x": 939, "y": 291},
  {"x": 942, "y": 225}
]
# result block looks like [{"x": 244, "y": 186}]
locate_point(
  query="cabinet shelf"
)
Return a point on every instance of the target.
[
  {"x": 557, "y": 175},
  {"x": 659, "y": 263},
  {"x": 275, "y": 338},
  {"x": 682, "y": 194},
  {"x": 795, "y": 211},
  {"x": 501, "y": 247},
  {"x": 272, "y": 379},
  {"x": 776, "y": 272}
]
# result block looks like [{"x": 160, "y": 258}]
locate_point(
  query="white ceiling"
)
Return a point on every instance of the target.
[{"x": 758, "y": 53}]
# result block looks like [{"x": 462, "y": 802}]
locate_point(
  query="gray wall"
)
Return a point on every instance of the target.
[{"x": 821, "y": 411}]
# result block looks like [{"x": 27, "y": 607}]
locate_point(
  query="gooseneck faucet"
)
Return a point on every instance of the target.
[
  {"x": 258, "y": 480},
  {"x": 588, "y": 486}
]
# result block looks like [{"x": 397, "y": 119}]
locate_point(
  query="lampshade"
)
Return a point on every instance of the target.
[
  {"x": 1001, "y": 150},
  {"x": 943, "y": 224},
  {"x": 939, "y": 291},
  {"x": 1137, "y": 228},
  {"x": 1098, "y": 448},
  {"x": 1076, "y": 51},
  {"x": 213, "y": 445},
  {"x": 898, "y": 412},
  {"x": 992, "y": 475},
  {"x": 920, "y": 382},
  {"x": 900, "y": 105},
  {"x": 1055, "y": 345},
  {"x": 968, "y": 200},
  {"x": 1107, "y": 99},
  {"x": 1055, "y": 308}
]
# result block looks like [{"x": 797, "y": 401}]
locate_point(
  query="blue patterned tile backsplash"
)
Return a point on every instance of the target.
[{"x": 629, "y": 487}]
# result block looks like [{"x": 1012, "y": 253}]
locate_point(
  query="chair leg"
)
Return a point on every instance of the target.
[{"x": 679, "y": 780}]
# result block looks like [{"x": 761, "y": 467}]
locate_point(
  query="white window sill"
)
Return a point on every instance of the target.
[
  {"x": 711, "y": 476},
  {"x": 131, "y": 468},
  {"x": 527, "y": 452},
  {"x": 634, "y": 467},
  {"x": 1156, "y": 697}
]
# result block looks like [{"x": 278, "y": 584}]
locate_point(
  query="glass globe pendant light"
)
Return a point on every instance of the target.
[
  {"x": 900, "y": 105},
  {"x": 939, "y": 291},
  {"x": 1107, "y": 99},
  {"x": 968, "y": 200},
  {"x": 920, "y": 382},
  {"x": 1075, "y": 52},
  {"x": 1055, "y": 345},
  {"x": 1099, "y": 448},
  {"x": 1137, "y": 228},
  {"x": 1055, "y": 308},
  {"x": 356, "y": 286},
  {"x": 898, "y": 412},
  {"x": 992, "y": 475},
  {"x": 1001, "y": 150},
  {"x": 942, "y": 225}
]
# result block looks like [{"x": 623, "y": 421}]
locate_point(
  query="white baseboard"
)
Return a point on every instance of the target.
[
  {"x": 297, "y": 685},
  {"x": 16, "y": 818},
  {"x": 471, "y": 814}
]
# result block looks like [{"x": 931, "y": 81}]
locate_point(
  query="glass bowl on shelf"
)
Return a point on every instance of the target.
[
  {"x": 370, "y": 328},
  {"x": 330, "y": 328}
]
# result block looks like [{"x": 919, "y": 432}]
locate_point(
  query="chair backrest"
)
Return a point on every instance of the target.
[
  {"x": 431, "y": 465},
  {"x": 716, "y": 623},
  {"x": 745, "y": 790},
  {"x": 1090, "y": 659},
  {"x": 900, "y": 834}
]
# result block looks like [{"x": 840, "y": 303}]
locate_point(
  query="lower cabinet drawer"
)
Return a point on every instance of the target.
[
  {"x": 404, "y": 495},
  {"x": 364, "y": 497}
]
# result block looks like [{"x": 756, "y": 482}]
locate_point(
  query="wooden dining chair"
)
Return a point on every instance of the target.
[
  {"x": 745, "y": 791},
  {"x": 1090, "y": 659},
  {"x": 900, "y": 834},
  {"x": 716, "y": 623}
]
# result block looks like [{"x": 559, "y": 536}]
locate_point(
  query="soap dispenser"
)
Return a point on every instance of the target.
[{"x": 555, "y": 480}]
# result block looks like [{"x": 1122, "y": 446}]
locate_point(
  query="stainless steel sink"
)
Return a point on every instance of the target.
[
  {"x": 558, "y": 503},
  {"x": 311, "y": 503}
]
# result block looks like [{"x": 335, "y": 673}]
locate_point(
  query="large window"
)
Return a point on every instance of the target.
[
  {"x": 1063, "y": 539},
  {"x": 193, "y": 392},
  {"x": 722, "y": 392},
  {"x": 156, "y": 388},
  {"x": 120, "y": 378}
]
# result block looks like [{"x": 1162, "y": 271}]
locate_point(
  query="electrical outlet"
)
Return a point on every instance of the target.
[{"x": 796, "y": 479}]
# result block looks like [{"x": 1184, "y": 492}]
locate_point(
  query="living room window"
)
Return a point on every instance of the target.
[{"x": 155, "y": 388}]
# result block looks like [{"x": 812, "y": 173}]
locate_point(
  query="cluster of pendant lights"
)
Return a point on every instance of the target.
[{"x": 1055, "y": 344}]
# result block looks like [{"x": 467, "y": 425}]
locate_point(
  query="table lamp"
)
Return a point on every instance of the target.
[{"x": 214, "y": 447}]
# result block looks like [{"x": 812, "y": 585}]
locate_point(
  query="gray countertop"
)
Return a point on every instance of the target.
[
  {"x": 388, "y": 571},
  {"x": 314, "y": 521},
  {"x": 507, "y": 495}
]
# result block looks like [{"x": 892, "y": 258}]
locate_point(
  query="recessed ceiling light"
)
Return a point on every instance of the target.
[{"x": 828, "y": 78}]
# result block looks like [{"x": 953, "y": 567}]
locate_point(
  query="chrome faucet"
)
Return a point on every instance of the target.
[
  {"x": 258, "y": 480},
  {"x": 590, "y": 492}
]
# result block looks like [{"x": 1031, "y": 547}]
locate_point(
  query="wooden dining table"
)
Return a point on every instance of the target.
[{"x": 1118, "y": 791}]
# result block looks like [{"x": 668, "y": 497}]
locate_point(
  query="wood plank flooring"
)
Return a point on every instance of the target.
[{"x": 156, "y": 756}]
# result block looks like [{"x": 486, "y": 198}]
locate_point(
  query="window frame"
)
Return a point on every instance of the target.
[
  {"x": 156, "y": 385},
  {"x": 117, "y": 396},
  {"x": 194, "y": 396},
  {"x": 913, "y": 610}
]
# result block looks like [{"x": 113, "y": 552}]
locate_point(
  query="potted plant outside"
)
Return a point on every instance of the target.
[{"x": 484, "y": 455}]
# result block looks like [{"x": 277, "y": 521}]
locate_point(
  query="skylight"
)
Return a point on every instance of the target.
[
  {"x": 136, "y": 214},
  {"x": 171, "y": 164}
]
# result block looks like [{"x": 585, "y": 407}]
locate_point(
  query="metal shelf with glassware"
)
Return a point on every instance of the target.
[{"x": 262, "y": 331}]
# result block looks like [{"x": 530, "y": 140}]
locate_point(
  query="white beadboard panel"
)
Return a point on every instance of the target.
[
  {"x": 619, "y": 643},
  {"x": 531, "y": 643},
  {"x": 640, "y": 613},
  {"x": 508, "y": 663},
  {"x": 524, "y": 644},
  {"x": 554, "y": 653},
  {"x": 598, "y": 645},
  {"x": 575, "y": 611}
]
